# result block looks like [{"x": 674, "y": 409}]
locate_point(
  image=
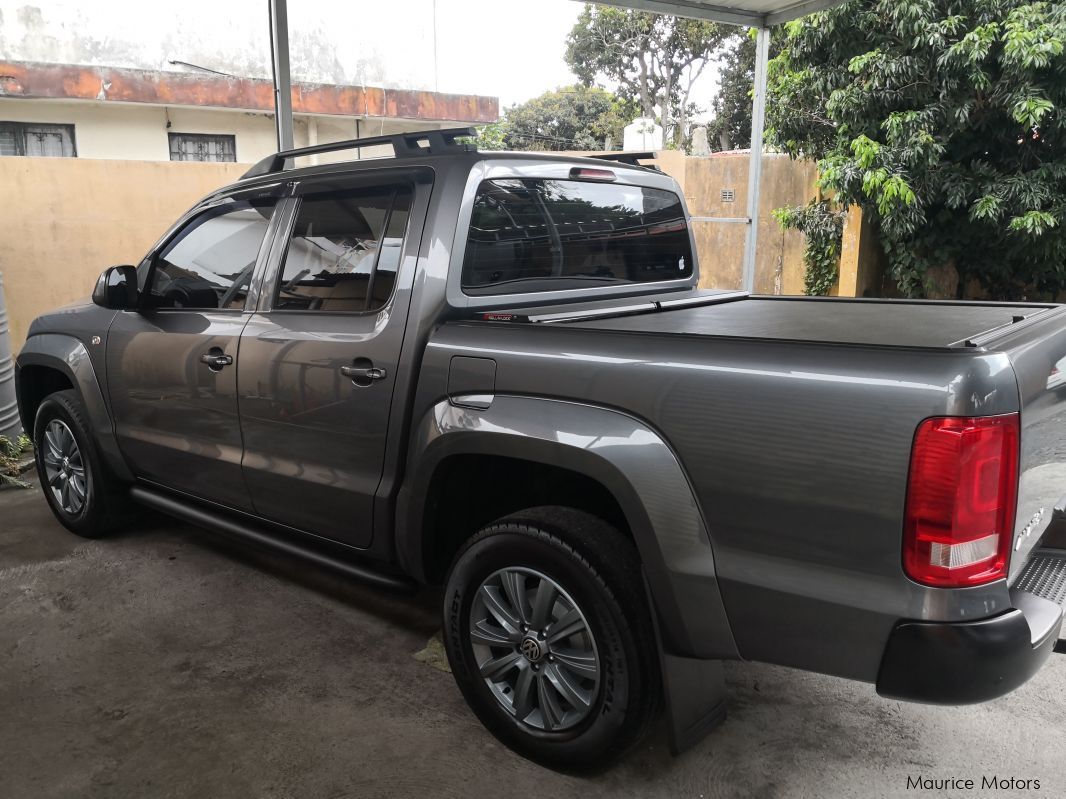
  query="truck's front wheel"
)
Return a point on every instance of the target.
[
  {"x": 550, "y": 639},
  {"x": 83, "y": 495}
]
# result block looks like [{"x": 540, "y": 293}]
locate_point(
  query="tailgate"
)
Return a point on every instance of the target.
[{"x": 1038, "y": 355}]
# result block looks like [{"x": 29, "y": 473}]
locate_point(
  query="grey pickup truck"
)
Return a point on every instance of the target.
[{"x": 496, "y": 372}]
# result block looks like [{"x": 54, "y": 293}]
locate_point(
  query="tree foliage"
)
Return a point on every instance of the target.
[
  {"x": 569, "y": 118},
  {"x": 653, "y": 59},
  {"x": 731, "y": 126},
  {"x": 945, "y": 120},
  {"x": 822, "y": 225}
]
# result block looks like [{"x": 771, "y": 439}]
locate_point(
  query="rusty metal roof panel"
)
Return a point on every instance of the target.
[{"x": 28, "y": 79}]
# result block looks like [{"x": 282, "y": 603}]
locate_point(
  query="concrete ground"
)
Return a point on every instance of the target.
[{"x": 164, "y": 663}]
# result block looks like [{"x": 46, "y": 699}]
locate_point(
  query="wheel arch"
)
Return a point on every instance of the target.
[
  {"x": 624, "y": 472},
  {"x": 52, "y": 362}
]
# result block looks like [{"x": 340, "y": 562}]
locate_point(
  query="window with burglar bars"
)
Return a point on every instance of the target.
[
  {"x": 37, "y": 139},
  {"x": 202, "y": 147}
]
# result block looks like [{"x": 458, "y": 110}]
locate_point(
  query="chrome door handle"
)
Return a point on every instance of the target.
[
  {"x": 363, "y": 375},
  {"x": 216, "y": 360}
]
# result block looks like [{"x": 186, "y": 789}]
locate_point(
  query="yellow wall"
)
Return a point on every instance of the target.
[
  {"x": 779, "y": 261},
  {"x": 67, "y": 219}
]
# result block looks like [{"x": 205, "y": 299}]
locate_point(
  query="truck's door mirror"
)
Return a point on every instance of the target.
[{"x": 116, "y": 288}]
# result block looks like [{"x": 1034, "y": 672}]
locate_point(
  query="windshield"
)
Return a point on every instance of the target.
[{"x": 549, "y": 235}]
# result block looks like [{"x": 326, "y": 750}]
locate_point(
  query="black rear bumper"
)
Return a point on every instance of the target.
[{"x": 964, "y": 662}]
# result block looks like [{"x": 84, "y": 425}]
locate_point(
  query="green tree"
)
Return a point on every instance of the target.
[
  {"x": 492, "y": 136},
  {"x": 944, "y": 120},
  {"x": 653, "y": 59},
  {"x": 731, "y": 126},
  {"x": 569, "y": 118}
]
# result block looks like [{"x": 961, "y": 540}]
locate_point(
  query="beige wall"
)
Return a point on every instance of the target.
[
  {"x": 66, "y": 219},
  {"x": 779, "y": 261}
]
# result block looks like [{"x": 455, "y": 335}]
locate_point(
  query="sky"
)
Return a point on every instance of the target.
[{"x": 511, "y": 49}]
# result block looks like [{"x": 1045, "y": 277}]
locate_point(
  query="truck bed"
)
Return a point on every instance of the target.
[
  {"x": 888, "y": 323},
  {"x": 1032, "y": 336}
]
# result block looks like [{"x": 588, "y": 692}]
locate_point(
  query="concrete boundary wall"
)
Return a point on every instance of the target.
[
  {"x": 716, "y": 188},
  {"x": 66, "y": 219}
]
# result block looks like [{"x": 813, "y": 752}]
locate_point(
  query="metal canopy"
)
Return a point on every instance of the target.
[{"x": 753, "y": 13}]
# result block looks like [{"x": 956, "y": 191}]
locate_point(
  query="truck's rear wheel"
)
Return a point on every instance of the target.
[
  {"x": 83, "y": 495},
  {"x": 550, "y": 638}
]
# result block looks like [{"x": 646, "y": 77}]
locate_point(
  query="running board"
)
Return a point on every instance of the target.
[{"x": 220, "y": 523}]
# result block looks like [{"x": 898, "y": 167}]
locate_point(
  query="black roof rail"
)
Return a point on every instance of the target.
[
  {"x": 633, "y": 159},
  {"x": 404, "y": 145}
]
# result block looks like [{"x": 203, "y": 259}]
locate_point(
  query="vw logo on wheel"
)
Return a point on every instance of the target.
[{"x": 530, "y": 647}]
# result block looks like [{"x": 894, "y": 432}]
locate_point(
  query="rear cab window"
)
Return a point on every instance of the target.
[{"x": 539, "y": 234}]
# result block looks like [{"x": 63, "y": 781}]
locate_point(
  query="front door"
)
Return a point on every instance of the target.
[
  {"x": 172, "y": 365},
  {"x": 319, "y": 361}
]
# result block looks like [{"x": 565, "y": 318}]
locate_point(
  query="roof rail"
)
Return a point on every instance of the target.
[
  {"x": 633, "y": 159},
  {"x": 404, "y": 145}
]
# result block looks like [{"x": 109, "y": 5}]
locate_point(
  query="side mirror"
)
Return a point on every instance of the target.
[{"x": 116, "y": 288}]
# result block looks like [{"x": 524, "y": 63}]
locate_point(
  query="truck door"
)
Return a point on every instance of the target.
[
  {"x": 172, "y": 364},
  {"x": 319, "y": 359}
]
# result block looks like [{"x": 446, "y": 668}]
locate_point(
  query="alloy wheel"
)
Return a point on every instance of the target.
[
  {"x": 64, "y": 467},
  {"x": 534, "y": 649}
]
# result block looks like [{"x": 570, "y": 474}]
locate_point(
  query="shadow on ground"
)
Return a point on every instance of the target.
[{"x": 163, "y": 662}]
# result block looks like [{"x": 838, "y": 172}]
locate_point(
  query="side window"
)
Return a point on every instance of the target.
[
  {"x": 209, "y": 264},
  {"x": 345, "y": 251},
  {"x": 29, "y": 138}
]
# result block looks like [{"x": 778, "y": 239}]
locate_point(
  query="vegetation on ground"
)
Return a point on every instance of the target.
[{"x": 11, "y": 456}]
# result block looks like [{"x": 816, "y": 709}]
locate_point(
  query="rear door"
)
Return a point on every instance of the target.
[
  {"x": 172, "y": 364},
  {"x": 319, "y": 359}
]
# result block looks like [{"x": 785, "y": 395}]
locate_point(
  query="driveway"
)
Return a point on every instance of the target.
[{"x": 165, "y": 662}]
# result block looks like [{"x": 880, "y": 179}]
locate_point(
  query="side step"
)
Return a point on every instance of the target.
[
  {"x": 1045, "y": 576},
  {"x": 235, "y": 528}
]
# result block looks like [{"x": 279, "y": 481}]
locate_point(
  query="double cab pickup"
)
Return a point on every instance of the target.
[{"x": 496, "y": 372}]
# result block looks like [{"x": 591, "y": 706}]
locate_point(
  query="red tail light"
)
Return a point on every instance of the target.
[{"x": 961, "y": 499}]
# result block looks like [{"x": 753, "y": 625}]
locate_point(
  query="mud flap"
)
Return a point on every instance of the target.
[{"x": 694, "y": 691}]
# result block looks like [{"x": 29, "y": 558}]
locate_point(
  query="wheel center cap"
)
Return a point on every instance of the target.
[
  {"x": 66, "y": 464},
  {"x": 531, "y": 648}
]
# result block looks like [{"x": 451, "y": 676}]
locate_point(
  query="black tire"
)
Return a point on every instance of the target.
[
  {"x": 106, "y": 505},
  {"x": 598, "y": 568}
]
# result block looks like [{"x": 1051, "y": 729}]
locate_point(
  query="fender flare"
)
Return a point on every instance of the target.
[
  {"x": 627, "y": 457},
  {"x": 68, "y": 355}
]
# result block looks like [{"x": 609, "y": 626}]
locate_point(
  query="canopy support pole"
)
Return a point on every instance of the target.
[
  {"x": 279, "y": 47},
  {"x": 758, "y": 122}
]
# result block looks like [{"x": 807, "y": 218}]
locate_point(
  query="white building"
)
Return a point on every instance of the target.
[
  {"x": 116, "y": 79},
  {"x": 107, "y": 112}
]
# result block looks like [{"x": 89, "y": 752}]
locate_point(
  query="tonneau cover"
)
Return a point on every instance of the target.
[{"x": 893, "y": 323}]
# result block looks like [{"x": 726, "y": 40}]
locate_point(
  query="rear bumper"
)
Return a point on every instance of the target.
[{"x": 962, "y": 663}]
